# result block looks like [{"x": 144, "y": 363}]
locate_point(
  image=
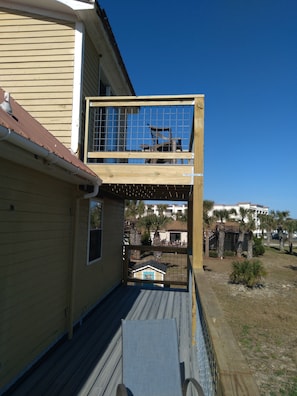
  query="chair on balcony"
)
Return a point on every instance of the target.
[
  {"x": 162, "y": 141},
  {"x": 151, "y": 365}
]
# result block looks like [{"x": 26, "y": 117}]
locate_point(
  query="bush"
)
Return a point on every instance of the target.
[
  {"x": 247, "y": 272},
  {"x": 213, "y": 254},
  {"x": 229, "y": 253},
  {"x": 146, "y": 239},
  {"x": 258, "y": 248}
]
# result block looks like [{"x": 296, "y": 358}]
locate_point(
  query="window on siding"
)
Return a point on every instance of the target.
[
  {"x": 148, "y": 275},
  {"x": 95, "y": 231}
]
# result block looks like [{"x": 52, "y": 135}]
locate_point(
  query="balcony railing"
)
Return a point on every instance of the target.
[
  {"x": 216, "y": 359},
  {"x": 139, "y": 130},
  {"x": 157, "y": 265}
]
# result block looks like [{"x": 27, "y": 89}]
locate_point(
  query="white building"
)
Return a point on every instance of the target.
[
  {"x": 175, "y": 210},
  {"x": 170, "y": 211},
  {"x": 256, "y": 209}
]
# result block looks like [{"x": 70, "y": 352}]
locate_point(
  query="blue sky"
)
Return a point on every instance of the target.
[{"x": 242, "y": 54}]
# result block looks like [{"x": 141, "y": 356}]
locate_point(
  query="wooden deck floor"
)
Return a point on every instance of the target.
[{"x": 91, "y": 363}]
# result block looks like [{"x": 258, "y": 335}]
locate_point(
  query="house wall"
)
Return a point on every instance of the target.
[
  {"x": 165, "y": 236},
  {"x": 91, "y": 70},
  {"x": 37, "y": 66},
  {"x": 36, "y": 219},
  {"x": 95, "y": 280}
]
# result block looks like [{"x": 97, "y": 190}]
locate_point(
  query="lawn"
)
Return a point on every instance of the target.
[{"x": 264, "y": 319}]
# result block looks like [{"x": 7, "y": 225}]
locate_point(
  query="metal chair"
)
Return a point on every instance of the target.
[
  {"x": 151, "y": 365},
  {"x": 162, "y": 141}
]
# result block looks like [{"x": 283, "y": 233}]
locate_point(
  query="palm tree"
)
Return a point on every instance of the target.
[
  {"x": 222, "y": 215},
  {"x": 281, "y": 217},
  {"x": 161, "y": 221},
  {"x": 268, "y": 224},
  {"x": 161, "y": 209},
  {"x": 148, "y": 222},
  {"x": 242, "y": 228},
  {"x": 207, "y": 222},
  {"x": 291, "y": 227},
  {"x": 250, "y": 226},
  {"x": 134, "y": 209}
]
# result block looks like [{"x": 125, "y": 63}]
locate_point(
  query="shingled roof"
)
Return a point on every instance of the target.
[{"x": 21, "y": 123}]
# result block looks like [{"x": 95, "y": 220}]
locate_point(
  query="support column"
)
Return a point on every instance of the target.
[{"x": 198, "y": 183}]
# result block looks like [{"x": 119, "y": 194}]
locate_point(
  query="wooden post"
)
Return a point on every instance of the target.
[
  {"x": 87, "y": 125},
  {"x": 198, "y": 183}
]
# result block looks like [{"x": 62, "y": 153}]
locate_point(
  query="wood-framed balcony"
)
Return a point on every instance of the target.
[{"x": 134, "y": 143}]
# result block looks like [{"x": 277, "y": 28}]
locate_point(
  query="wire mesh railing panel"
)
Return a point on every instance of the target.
[
  {"x": 208, "y": 372},
  {"x": 157, "y": 128},
  {"x": 203, "y": 359},
  {"x": 161, "y": 266}
]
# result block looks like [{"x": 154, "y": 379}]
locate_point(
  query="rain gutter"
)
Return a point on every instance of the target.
[{"x": 9, "y": 135}]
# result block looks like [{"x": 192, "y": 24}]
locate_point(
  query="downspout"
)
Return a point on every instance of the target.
[{"x": 74, "y": 258}]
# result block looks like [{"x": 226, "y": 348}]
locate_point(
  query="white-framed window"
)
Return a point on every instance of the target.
[{"x": 95, "y": 230}]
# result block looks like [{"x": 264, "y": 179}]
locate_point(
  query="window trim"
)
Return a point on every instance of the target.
[{"x": 97, "y": 201}]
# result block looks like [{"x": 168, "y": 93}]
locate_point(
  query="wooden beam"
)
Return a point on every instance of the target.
[
  {"x": 198, "y": 183},
  {"x": 134, "y": 101},
  {"x": 141, "y": 154},
  {"x": 153, "y": 174}
]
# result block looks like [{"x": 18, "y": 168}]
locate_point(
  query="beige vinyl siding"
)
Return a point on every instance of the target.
[
  {"x": 94, "y": 281},
  {"x": 91, "y": 69},
  {"x": 36, "y": 218},
  {"x": 36, "y": 67}
]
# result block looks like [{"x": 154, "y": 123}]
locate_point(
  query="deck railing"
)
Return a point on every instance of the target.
[
  {"x": 157, "y": 265},
  {"x": 222, "y": 369},
  {"x": 139, "y": 130}
]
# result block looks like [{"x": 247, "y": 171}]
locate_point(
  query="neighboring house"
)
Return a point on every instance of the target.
[
  {"x": 174, "y": 233},
  {"x": 149, "y": 270}
]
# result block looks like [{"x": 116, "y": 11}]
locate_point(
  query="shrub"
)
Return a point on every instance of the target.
[
  {"x": 213, "y": 254},
  {"x": 247, "y": 272},
  {"x": 229, "y": 253},
  {"x": 258, "y": 248},
  {"x": 146, "y": 239}
]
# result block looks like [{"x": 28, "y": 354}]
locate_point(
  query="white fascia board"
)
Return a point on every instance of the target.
[
  {"x": 77, "y": 85},
  {"x": 148, "y": 267},
  {"x": 58, "y": 9},
  {"x": 77, "y": 5}
]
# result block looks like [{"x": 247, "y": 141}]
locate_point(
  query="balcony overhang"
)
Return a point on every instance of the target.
[{"x": 148, "y": 191}]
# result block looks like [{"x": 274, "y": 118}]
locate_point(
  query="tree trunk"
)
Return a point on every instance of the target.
[
  {"x": 135, "y": 239},
  {"x": 268, "y": 238},
  {"x": 206, "y": 253},
  {"x": 221, "y": 242},
  {"x": 250, "y": 245},
  {"x": 239, "y": 244}
]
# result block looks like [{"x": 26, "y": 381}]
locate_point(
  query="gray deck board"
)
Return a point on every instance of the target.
[{"x": 91, "y": 363}]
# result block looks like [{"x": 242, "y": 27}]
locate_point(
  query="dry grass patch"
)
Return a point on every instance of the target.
[{"x": 264, "y": 319}]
